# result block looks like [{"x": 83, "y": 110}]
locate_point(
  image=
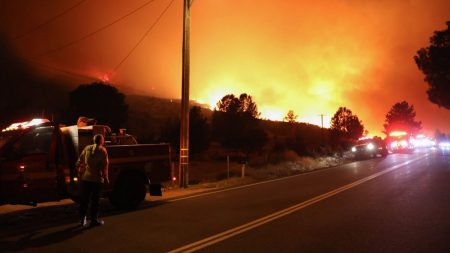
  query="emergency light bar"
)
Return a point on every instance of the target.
[
  {"x": 397, "y": 133},
  {"x": 25, "y": 124}
]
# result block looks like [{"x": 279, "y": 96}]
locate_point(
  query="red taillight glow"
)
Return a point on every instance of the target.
[
  {"x": 21, "y": 167},
  {"x": 174, "y": 178}
]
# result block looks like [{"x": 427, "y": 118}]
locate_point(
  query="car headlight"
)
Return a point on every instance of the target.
[
  {"x": 370, "y": 146},
  {"x": 444, "y": 145},
  {"x": 353, "y": 149}
]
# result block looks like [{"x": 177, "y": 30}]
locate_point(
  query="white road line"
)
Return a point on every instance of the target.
[{"x": 261, "y": 221}]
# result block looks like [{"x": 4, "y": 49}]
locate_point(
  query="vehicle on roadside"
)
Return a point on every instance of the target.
[
  {"x": 421, "y": 141},
  {"x": 444, "y": 146},
  {"x": 37, "y": 164},
  {"x": 369, "y": 147},
  {"x": 400, "y": 142}
]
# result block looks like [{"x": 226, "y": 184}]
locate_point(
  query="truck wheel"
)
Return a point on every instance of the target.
[{"x": 129, "y": 191}]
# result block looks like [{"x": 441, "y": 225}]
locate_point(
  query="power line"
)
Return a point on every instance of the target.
[
  {"x": 73, "y": 74},
  {"x": 143, "y": 37},
  {"x": 38, "y": 27},
  {"x": 94, "y": 32}
]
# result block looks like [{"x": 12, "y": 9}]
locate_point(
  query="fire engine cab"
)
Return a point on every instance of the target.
[{"x": 400, "y": 142}]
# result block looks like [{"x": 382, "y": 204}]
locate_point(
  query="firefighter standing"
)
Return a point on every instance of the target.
[{"x": 94, "y": 160}]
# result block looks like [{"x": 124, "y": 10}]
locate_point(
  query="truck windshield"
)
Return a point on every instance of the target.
[
  {"x": 35, "y": 141},
  {"x": 365, "y": 141}
]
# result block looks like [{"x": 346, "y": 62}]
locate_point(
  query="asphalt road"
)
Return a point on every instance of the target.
[{"x": 396, "y": 204}]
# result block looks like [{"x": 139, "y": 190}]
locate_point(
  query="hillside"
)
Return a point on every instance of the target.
[{"x": 149, "y": 115}]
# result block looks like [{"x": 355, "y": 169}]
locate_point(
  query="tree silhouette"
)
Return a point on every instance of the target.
[
  {"x": 244, "y": 105},
  {"x": 248, "y": 106},
  {"x": 101, "y": 101},
  {"x": 235, "y": 124},
  {"x": 290, "y": 117},
  {"x": 229, "y": 103},
  {"x": 346, "y": 124},
  {"x": 199, "y": 131},
  {"x": 434, "y": 62},
  {"x": 170, "y": 132},
  {"x": 402, "y": 117}
]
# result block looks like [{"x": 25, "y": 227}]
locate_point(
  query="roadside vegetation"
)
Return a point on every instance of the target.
[{"x": 232, "y": 137}]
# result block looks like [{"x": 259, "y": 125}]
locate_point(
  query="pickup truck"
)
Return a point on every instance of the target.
[
  {"x": 37, "y": 164},
  {"x": 370, "y": 147}
]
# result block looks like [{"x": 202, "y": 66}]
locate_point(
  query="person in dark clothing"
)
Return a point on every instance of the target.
[{"x": 94, "y": 160}]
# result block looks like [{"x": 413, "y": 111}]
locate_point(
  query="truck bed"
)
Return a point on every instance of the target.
[{"x": 154, "y": 158}]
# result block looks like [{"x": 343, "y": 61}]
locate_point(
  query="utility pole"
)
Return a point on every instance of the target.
[
  {"x": 184, "y": 120},
  {"x": 321, "y": 131}
]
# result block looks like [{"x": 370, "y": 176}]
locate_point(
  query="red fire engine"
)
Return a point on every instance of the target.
[
  {"x": 37, "y": 163},
  {"x": 400, "y": 142}
]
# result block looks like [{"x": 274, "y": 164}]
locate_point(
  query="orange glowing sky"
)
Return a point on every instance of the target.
[{"x": 306, "y": 56}]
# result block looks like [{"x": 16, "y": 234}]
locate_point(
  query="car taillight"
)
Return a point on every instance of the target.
[
  {"x": 67, "y": 179},
  {"x": 21, "y": 168}
]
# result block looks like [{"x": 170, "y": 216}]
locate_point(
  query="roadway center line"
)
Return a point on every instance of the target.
[{"x": 277, "y": 215}]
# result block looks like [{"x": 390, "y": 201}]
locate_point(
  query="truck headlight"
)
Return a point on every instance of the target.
[
  {"x": 403, "y": 144},
  {"x": 353, "y": 149},
  {"x": 370, "y": 146},
  {"x": 394, "y": 144}
]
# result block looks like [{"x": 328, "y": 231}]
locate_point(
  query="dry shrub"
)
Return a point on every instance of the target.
[{"x": 282, "y": 156}]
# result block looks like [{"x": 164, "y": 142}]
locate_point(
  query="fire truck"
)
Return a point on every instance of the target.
[
  {"x": 400, "y": 142},
  {"x": 38, "y": 157}
]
